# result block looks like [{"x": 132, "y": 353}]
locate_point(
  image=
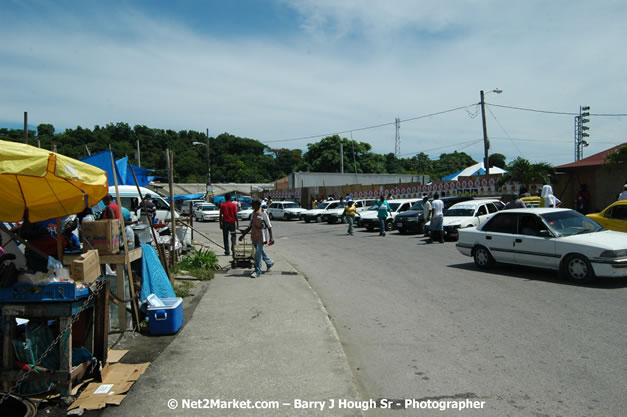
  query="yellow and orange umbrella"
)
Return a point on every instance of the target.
[{"x": 46, "y": 183}]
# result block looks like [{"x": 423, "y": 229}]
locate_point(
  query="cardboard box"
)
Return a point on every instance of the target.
[
  {"x": 117, "y": 380},
  {"x": 87, "y": 267},
  {"x": 103, "y": 235}
]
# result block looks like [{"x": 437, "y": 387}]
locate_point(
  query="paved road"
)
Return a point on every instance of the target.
[{"x": 419, "y": 321}]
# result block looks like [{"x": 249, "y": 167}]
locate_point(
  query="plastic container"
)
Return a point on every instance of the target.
[
  {"x": 142, "y": 233},
  {"x": 154, "y": 301},
  {"x": 54, "y": 291},
  {"x": 167, "y": 319}
]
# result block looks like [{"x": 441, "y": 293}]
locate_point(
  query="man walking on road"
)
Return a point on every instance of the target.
[
  {"x": 349, "y": 214},
  {"x": 382, "y": 213},
  {"x": 228, "y": 221},
  {"x": 437, "y": 219},
  {"x": 260, "y": 230}
]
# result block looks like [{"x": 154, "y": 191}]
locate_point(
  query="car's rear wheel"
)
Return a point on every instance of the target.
[
  {"x": 483, "y": 258},
  {"x": 577, "y": 268},
  {"x": 370, "y": 227},
  {"x": 389, "y": 225}
]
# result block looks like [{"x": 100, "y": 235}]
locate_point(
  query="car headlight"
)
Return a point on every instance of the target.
[{"x": 614, "y": 253}]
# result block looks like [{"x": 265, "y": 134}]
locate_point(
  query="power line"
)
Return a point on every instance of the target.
[
  {"x": 554, "y": 140},
  {"x": 467, "y": 143},
  {"x": 368, "y": 127},
  {"x": 503, "y": 129},
  {"x": 558, "y": 112}
]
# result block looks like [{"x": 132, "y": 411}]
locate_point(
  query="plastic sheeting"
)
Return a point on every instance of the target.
[{"x": 155, "y": 280}]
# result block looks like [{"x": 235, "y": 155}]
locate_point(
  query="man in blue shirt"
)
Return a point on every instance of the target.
[{"x": 383, "y": 208}]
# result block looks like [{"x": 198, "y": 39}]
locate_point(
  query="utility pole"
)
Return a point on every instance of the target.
[
  {"x": 341, "y": 157},
  {"x": 139, "y": 160},
  {"x": 486, "y": 143},
  {"x": 26, "y": 127},
  {"x": 397, "y": 139},
  {"x": 209, "y": 189}
]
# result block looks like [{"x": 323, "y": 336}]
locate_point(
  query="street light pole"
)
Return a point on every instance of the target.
[{"x": 206, "y": 145}]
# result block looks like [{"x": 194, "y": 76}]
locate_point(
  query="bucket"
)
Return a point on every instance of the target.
[{"x": 15, "y": 406}]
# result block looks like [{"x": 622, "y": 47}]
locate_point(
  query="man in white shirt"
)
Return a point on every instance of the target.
[
  {"x": 437, "y": 219},
  {"x": 426, "y": 208}
]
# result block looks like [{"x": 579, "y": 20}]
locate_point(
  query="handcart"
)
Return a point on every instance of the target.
[{"x": 243, "y": 251}]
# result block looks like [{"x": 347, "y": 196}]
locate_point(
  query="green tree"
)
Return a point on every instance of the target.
[
  {"x": 450, "y": 163},
  {"x": 526, "y": 173},
  {"x": 618, "y": 157},
  {"x": 498, "y": 160}
]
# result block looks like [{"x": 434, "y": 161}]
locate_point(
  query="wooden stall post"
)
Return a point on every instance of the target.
[{"x": 119, "y": 269}]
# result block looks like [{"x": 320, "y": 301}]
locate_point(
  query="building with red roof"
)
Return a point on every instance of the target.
[{"x": 604, "y": 180}]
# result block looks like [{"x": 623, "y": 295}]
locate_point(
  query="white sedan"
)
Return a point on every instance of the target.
[
  {"x": 207, "y": 212},
  {"x": 558, "y": 239}
]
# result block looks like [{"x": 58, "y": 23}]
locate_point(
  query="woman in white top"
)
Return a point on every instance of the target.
[{"x": 548, "y": 199}]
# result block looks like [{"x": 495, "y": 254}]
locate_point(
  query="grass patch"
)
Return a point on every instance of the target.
[
  {"x": 182, "y": 288},
  {"x": 201, "y": 263}
]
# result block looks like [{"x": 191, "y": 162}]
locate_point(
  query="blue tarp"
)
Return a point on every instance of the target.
[
  {"x": 102, "y": 160},
  {"x": 155, "y": 280},
  {"x": 178, "y": 197}
]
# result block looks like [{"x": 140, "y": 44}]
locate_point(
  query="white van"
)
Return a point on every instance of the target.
[{"x": 128, "y": 192}]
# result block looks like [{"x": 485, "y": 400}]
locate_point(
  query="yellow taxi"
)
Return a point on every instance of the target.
[{"x": 614, "y": 217}]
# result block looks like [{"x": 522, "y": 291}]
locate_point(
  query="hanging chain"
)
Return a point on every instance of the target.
[{"x": 97, "y": 286}]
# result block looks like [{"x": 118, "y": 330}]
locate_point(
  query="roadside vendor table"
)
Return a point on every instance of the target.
[
  {"x": 62, "y": 311},
  {"x": 119, "y": 260}
]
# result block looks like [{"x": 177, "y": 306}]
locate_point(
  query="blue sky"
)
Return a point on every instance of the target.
[{"x": 277, "y": 70}]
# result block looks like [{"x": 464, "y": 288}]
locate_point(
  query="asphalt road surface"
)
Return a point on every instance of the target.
[{"x": 419, "y": 321}]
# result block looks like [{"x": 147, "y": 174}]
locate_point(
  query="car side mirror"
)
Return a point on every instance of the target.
[{"x": 545, "y": 233}]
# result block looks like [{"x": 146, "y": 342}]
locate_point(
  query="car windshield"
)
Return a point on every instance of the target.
[
  {"x": 394, "y": 206},
  {"x": 567, "y": 223},
  {"x": 419, "y": 205},
  {"x": 290, "y": 205},
  {"x": 459, "y": 212},
  {"x": 322, "y": 206},
  {"x": 207, "y": 207}
]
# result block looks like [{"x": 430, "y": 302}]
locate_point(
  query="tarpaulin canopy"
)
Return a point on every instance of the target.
[
  {"x": 178, "y": 197},
  {"x": 48, "y": 184},
  {"x": 102, "y": 160},
  {"x": 471, "y": 171}
]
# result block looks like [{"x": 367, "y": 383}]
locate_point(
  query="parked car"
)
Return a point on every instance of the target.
[
  {"x": 337, "y": 214},
  {"x": 315, "y": 214},
  {"x": 285, "y": 210},
  {"x": 559, "y": 239},
  {"x": 370, "y": 221},
  {"x": 207, "y": 212},
  {"x": 467, "y": 214},
  {"x": 128, "y": 192},
  {"x": 614, "y": 217},
  {"x": 245, "y": 213},
  {"x": 413, "y": 220},
  {"x": 186, "y": 203}
]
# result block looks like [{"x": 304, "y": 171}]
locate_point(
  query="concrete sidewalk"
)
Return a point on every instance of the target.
[{"x": 265, "y": 339}]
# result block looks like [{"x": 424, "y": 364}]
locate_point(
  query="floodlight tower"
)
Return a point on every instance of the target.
[{"x": 581, "y": 129}]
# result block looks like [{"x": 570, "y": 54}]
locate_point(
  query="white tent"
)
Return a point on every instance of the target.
[{"x": 477, "y": 169}]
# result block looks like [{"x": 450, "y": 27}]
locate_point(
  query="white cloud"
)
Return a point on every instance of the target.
[{"x": 355, "y": 64}]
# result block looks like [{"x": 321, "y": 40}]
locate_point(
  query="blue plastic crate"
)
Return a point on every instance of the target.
[
  {"x": 54, "y": 291},
  {"x": 166, "y": 319}
]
